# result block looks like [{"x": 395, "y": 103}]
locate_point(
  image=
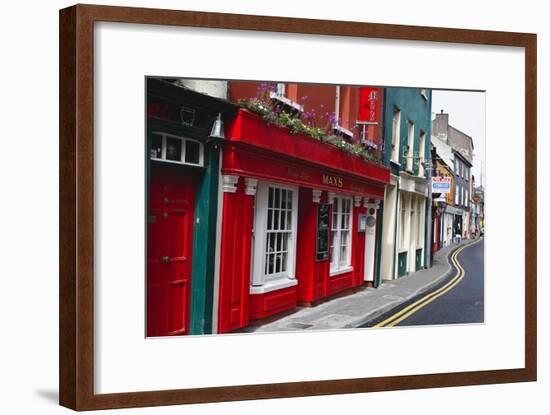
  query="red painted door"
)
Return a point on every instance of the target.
[{"x": 169, "y": 251}]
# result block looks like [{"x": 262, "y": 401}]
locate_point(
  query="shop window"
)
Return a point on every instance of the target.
[
  {"x": 413, "y": 219},
  {"x": 173, "y": 149},
  {"x": 402, "y": 214},
  {"x": 192, "y": 152},
  {"x": 340, "y": 247},
  {"x": 179, "y": 150},
  {"x": 156, "y": 146},
  {"x": 420, "y": 221},
  {"x": 274, "y": 246}
]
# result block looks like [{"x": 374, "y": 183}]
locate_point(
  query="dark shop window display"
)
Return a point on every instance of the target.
[{"x": 323, "y": 221}]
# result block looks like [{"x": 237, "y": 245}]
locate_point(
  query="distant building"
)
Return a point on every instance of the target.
[
  {"x": 478, "y": 210},
  {"x": 457, "y": 150},
  {"x": 442, "y": 220}
]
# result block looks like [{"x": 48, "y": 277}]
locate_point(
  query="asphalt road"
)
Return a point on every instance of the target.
[{"x": 464, "y": 303}]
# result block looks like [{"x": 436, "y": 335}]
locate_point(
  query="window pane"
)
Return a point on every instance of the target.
[
  {"x": 343, "y": 255},
  {"x": 289, "y": 220},
  {"x": 271, "y": 263},
  {"x": 156, "y": 146},
  {"x": 279, "y": 218},
  {"x": 173, "y": 149},
  {"x": 332, "y": 256},
  {"x": 192, "y": 152},
  {"x": 277, "y": 198},
  {"x": 289, "y": 199}
]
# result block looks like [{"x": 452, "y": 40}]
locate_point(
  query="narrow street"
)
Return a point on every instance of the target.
[{"x": 458, "y": 300}]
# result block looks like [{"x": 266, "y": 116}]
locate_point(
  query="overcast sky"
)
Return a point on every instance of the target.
[{"x": 466, "y": 113}]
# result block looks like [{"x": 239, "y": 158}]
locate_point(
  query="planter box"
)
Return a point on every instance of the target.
[{"x": 249, "y": 130}]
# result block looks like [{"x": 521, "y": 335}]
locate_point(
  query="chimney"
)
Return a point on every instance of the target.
[{"x": 441, "y": 125}]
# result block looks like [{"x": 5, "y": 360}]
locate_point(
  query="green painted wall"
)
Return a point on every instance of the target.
[
  {"x": 415, "y": 108},
  {"x": 204, "y": 244}
]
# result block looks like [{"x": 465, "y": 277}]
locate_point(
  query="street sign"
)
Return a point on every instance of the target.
[{"x": 441, "y": 185}]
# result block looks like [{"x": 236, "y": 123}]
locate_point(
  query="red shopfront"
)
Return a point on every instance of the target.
[{"x": 293, "y": 221}]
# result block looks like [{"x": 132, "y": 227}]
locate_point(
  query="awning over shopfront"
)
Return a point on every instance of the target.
[{"x": 254, "y": 148}]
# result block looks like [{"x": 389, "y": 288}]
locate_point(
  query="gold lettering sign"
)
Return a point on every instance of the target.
[
  {"x": 357, "y": 188},
  {"x": 333, "y": 180},
  {"x": 297, "y": 173}
]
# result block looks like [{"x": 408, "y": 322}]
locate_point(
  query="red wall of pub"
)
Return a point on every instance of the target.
[
  {"x": 314, "y": 280},
  {"x": 237, "y": 306},
  {"x": 317, "y": 99},
  {"x": 235, "y": 259}
]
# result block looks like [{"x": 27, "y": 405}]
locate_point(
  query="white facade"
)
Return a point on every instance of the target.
[
  {"x": 404, "y": 225},
  {"x": 447, "y": 229}
]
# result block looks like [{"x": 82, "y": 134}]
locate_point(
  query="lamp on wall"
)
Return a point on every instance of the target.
[
  {"x": 217, "y": 128},
  {"x": 217, "y": 132}
]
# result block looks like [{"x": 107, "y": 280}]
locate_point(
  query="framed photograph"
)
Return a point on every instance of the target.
[{"x": 257, "y": 207}]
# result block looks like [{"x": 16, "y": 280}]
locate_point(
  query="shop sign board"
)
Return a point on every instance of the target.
[
  {"x": 369, "y": 105},
  {"x": 441, "y": 185}
]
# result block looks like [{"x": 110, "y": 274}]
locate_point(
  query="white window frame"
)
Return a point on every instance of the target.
[
  {"x": 424, "y": 93},
  {"x": 335, "y": 267},
  {"x": 413, "y": 219},
  {"x": 420, "y": 222},
  {"x": 421, "y": 152},
  {"x": 410, "y": 143},
  {"x": 402, "y": 224},
  {"x": 184, "y": 141},
  {"x": 260, "y": 282},
  {"x": 396, "y": 134}
]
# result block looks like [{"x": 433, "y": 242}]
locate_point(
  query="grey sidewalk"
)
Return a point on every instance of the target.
[{"x": 366, "y": 305}]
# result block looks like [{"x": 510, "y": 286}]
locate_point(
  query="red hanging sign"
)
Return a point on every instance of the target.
[{"x": 369, "y": 108}]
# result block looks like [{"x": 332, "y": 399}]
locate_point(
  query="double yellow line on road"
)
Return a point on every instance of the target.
[{"x": 408, "y": 311}]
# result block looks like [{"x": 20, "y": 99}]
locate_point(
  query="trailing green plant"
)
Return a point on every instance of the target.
[{"x": 272, "y": 113}]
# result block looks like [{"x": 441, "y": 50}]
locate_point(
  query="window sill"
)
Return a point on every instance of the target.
[
  {"x": 273, "y": 285},
  {"x": 341, "y": 271}
]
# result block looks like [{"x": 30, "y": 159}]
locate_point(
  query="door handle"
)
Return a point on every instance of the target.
[{"x": 166, "y": 259}]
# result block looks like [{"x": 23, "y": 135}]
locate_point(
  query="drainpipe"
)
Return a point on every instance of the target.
[
  {"x": 397, "y": 216},
  {"x": 428, "y": 247}
]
